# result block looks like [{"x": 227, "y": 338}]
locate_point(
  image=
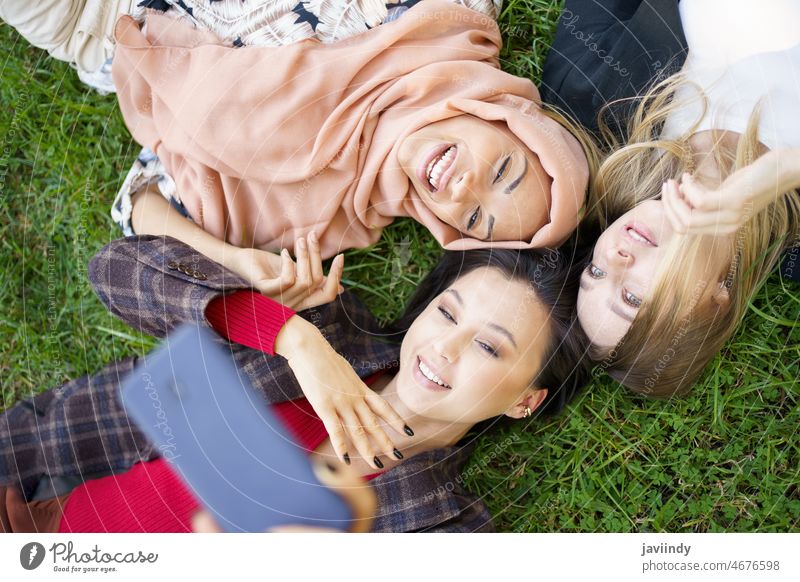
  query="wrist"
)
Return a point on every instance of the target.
[
  {"x": 296, "y": 336},
  {"x": 220, "y": 251}
]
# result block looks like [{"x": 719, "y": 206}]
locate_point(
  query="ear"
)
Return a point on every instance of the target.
[
  {"x": 721, "y": 294},
  {"x": 532, "y": 399}
]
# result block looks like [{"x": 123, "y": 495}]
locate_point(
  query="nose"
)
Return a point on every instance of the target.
[
  {"x": 620, "y": 255},
  {"x": 462, "y": 187},
  {"x": 449, "y": 346}
]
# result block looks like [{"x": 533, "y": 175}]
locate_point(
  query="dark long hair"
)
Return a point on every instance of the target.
[{"x": 565, "y": 369}]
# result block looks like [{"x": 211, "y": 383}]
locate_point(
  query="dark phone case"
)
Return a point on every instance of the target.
[{"x": 221, "y": 438}]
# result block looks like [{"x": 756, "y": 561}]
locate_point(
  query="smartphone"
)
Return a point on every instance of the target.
[{"x": 237, "y": 457}]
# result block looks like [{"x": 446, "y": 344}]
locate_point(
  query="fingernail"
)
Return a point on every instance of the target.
[
  {"x": 301, "y": 243},
  {"x": 331, "y": 467},
  {"x": 377, "y": 462},
  {"x": 407, "y": 430},
  {"x": 398, "y": 454},
  {"x": 346, "y": 458},
  {"x": 312, "y": 237}
]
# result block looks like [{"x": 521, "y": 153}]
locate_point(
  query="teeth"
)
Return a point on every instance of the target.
[
  {"x": 437, "y": 166},
  {"x": 637, "y": 237},
  {"x": 428, "y": 373}
]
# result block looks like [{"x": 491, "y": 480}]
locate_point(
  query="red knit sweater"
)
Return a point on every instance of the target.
[{"x": 150, "y": 497}]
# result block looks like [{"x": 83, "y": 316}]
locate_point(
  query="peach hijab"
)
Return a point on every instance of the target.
[{"x": 267, "y": 143}]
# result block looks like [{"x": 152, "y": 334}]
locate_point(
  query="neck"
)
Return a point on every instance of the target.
[{"x": 429, "y": 433}]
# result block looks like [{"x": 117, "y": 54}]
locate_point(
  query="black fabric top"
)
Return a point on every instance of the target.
[{"x": 606, "y": 50}]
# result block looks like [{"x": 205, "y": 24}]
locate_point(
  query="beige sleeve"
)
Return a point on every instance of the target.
[{"x": 76, "y": 31}]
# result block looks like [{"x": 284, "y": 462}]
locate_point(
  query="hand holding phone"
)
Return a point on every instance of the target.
[{"x": 220, "y": 436}]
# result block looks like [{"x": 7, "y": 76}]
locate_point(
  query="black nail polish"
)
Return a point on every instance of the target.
[
  {"x": 407, "y": 430},
  {"x": 346, "y": 458},
  {"x": 377, "y": 462},
  {"x": 398, "y": 454},
  {"x": 331, "y": 467}
]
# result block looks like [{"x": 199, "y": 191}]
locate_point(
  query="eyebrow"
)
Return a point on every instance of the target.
[
  {"x": 501, "y": 330},
  {"x": 456, "y": 295},
  {"x": 611, "y": 304},
  {"x": 498, "y": 328},
  {"x": 516, "y": 182}
]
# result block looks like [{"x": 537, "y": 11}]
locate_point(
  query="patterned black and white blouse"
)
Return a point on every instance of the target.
[{"x": 279, "y": 22}]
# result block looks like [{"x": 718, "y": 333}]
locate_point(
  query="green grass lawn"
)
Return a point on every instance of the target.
[{"x": 725, "y": 459}]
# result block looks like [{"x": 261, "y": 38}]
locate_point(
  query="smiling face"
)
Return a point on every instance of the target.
[
  {"x": 474, "y": 351},
  {"x": 625, "y": 262},
  {"x": 478, "y": 177}
]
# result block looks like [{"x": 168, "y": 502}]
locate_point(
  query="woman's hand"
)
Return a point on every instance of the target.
[
  {"x": 343, "y": 480},
  {"x": 298, "y": 285},
  {"x": 693, "y": 208},
  {"x": 349, "y": 409}
]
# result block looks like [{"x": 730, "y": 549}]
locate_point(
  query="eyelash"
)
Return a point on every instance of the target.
[
  {"x": 502, "y": 170},
  {"x": 489, "y": 349},
  {"x": 628, "y": 297},
  {"x": 591, "y": 270},
  {"x": 473, "y": 219},
  {"x": 484, "y": 346},
  {"x": 446, "y": 314},
  {"x": 635, "y": 302}
]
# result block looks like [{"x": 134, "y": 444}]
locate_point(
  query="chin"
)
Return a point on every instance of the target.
[{"x": 417, "y": 399}]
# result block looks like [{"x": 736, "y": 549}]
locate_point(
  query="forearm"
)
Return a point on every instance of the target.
[
  {"x": 152, "y": 214},
  {"x": 140, "y": 280},
  {"x": 773, "y": 174},
  {"x": 299, "y": 338},
  {"x": 788, "y": 165}
]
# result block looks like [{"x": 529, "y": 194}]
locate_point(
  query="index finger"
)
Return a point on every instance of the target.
[
  {"x": 383, "y": 409},
  {"x": 315, "y": 258}
]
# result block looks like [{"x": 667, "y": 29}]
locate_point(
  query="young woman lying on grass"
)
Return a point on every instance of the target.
[
  {"x": 459, "y": 364},
  {"x": 699, "y": 200},
  {"x": 413, "y": 118},
  {"x": 271, "y": 121}
]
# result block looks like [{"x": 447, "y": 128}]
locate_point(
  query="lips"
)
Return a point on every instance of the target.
[
  {"x": 421, "y": 372},
  {"x": 432, "y": 164},
  {"x": 639, "y": 234}
]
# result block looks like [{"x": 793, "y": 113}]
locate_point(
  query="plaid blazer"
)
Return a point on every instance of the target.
[{"x": 80, "y": 430}]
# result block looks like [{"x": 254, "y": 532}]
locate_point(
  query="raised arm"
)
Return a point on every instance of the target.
[
  {"x": 152, "y": 214},
  {"x": 610, "y": 50},
  {"x": 696, "y": 209},
  {"x": 155, "y": 283},
  {"x": 299, "y": 285}
]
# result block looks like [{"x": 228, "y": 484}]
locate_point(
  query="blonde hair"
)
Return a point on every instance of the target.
[{"x": 674, "y": 337}]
